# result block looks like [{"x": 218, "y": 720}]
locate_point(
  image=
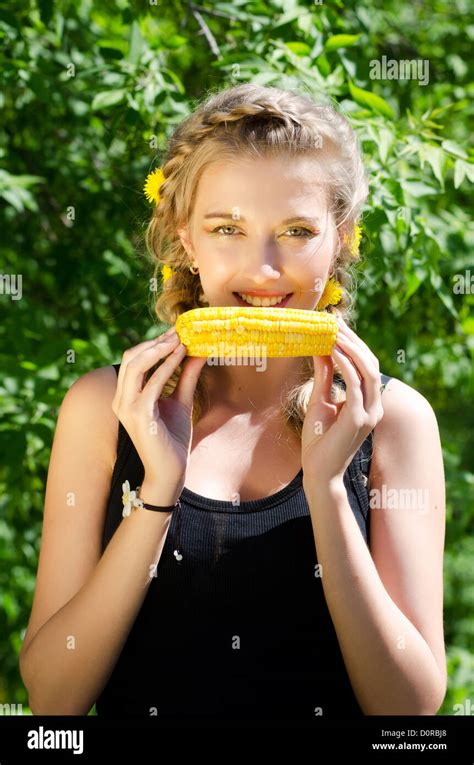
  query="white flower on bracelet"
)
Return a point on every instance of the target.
[{"x": 130, "y": 499}]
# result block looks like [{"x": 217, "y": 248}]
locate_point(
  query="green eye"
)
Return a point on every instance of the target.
[
  {"x": 218, "y": 229},
  {"x": 306, "y": 231}
]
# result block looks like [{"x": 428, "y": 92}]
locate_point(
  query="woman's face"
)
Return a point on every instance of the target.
[{"x": 261, "y": 226}]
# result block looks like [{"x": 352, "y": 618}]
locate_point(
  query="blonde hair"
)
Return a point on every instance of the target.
[{"x": 254, "y": 121}]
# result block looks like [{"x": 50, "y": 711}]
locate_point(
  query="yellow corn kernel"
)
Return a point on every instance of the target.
[{"x": 278, "y": 332}]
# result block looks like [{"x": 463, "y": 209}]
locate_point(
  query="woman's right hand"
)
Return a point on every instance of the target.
[{"x": 160, "y": 430}]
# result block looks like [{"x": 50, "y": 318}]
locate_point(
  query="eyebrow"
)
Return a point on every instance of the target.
[{"x": 295, "y": 219}]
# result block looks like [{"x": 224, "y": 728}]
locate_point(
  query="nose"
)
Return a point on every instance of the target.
[
  {"x": 262, "y": 269},
  {"x": 265, "y": 273}
]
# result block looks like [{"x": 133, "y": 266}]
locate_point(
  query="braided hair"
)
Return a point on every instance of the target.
[{"x": 254, "y": 121}]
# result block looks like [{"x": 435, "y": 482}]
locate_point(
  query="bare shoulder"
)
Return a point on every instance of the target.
[
  {"x": 88, "y": 403},
  {"x": 408, "y": 421},
  {"x": 398, "y": 395}
]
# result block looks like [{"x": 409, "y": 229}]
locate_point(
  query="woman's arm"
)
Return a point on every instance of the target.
[
  {"x": 72, "y": 656},
  {"x": 387, "y": 603},
  {"x": 70, "y": 659},
  {"x": 85, "y": 603}
]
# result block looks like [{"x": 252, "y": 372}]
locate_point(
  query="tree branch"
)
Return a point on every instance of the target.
[
  {"x": 212, "y": 13},
  {"x": 206, "y": 31}
]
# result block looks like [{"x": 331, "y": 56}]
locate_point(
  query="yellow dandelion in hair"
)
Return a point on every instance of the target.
[
  {"x": 353, "y": 240},
  {"x": 166, "y": 272},
  {"x": 331, "y": 295},
  {"x": 152, "y": 185},
  {"x": 356, "y": 237}
]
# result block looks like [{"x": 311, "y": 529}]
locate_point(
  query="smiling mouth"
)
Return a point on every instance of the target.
[{"x": 264, "y": 302}]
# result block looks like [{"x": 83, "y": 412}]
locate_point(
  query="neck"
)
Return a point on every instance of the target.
[{"x": 246, "y": 388}]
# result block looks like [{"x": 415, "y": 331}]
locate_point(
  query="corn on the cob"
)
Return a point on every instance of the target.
[{"x": 280, "y": 332}]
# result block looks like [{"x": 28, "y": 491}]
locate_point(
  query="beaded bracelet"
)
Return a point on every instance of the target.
[{"x": 131, "y": 501}]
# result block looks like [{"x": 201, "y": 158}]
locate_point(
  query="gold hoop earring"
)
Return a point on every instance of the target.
[{"x": 192, "y": 271}]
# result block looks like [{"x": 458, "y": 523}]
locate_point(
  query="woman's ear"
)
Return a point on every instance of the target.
[
  {"x": 183, "y": 234},
  {"x": 343, "y": 231}
]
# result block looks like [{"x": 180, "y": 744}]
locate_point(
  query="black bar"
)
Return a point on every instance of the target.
[{"x": 445, "y": 739}]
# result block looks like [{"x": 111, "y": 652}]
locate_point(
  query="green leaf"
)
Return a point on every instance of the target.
[
  {"x": 19, "y": 199},
  {"x": 107, "y": 98},
  {"x": 77, "y": 344},
  {"x": 435, "y": 158},
  {"x": 323, "y": 65},
  {"x": 286, "y": 18},
  {"x": 117, "y": 265},
  {"x": 370, "y": 100},
  {"x": 174, "y": 77},
  {"x": 341, "y": 41},
  {"x": 454, "y": 148},
  {"x": 445, "y": 297},
  {"x": 468, "y": 325},
  {"x": 10, "y": 606},
  {"x": 349, "y": 65},
  {"x": 30, "y": 365},
  {"x": 136, "y": 44},
  {"x": 299, "y": 48},
  {"x": 413, "y": 281},
  {"x": 114, "y": 43},
  {"x": 175, "y": 41},
  {"x": 8, "y": 181},
  {"x": 417, "y": 188},
  {"x": 385, "y": 141},
  {"x": 459, "y": 173},
  {"x": 461, "y": 170}
]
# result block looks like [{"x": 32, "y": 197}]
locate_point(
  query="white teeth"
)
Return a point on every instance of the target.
[{"x": 257, "y": 301}]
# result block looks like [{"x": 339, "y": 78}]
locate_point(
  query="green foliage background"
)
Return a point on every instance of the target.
[{"x": 90, "y": 93}]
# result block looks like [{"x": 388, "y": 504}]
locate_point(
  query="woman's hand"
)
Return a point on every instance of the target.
[
  {"x": 332, "y": 433},
  {"x": 159, "y": 429}
]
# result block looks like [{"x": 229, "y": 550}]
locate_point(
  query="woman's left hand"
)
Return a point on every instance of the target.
[{"x": 332, "y": 433}]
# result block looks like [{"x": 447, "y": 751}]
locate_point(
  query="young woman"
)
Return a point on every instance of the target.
[{"x": 297, "y": 581}]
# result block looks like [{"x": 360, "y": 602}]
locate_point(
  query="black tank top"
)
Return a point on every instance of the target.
[{"x": 239, "y": 628}]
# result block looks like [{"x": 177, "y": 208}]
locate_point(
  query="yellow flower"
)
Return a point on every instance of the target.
[
  {"x": 331, "y": 295},
  {"x": 152, "y": 185},
  {"x": 354, "y": 240},
  {"x": 166, "y": 272}
]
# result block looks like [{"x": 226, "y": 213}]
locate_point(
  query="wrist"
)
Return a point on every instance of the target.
[
  {"x": 162, "y": 500},
  {"x": 153, "y": 492},
  {"x": 331, "y": 488}
]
